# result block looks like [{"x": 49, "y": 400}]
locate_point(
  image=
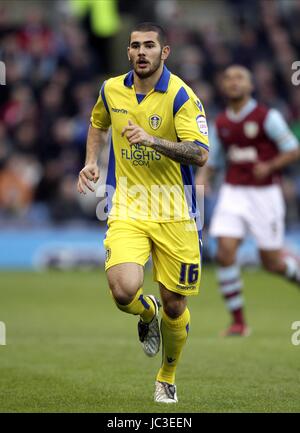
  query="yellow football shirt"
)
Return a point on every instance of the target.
[{"x": 148, "y": 185}]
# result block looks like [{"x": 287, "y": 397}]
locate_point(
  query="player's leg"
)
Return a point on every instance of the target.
[
  {"x": 125, "y": 281},
  {"x": 174, "y": 330},
  {"x": 177, "y": 268},
  {"x": 267, "y": 226},
  {"x": 229, "y": 227},
  {"x": 128, "y": 248},
  {"x": 230, "y": 284},
  {"x": 283, "y": 264}
]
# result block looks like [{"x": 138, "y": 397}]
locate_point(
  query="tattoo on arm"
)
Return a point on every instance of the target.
[{"x": 185, "y": 152}]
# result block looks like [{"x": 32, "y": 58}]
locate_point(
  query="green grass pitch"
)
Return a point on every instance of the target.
[{"x": 70, "y": 350}]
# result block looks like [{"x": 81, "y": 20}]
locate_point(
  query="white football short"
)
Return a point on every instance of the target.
[{"x": 242, "y": 210}]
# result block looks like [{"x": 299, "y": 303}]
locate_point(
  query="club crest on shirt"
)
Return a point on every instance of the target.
[
  {"x": 107, "y": 254},
  {"x": 251, "y": 129},
  {"x": 155, "y": 121}
]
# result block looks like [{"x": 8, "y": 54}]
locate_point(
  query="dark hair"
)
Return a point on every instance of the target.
[
  {"x": 242, "y": 67},
  {"x": 151, "y": 27}
]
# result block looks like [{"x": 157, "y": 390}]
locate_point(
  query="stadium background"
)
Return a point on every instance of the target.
[{"x": 57, "y": 54}]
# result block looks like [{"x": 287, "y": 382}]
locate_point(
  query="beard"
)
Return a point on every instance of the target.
[
  {"x": 236, "y": 98},
  {"x": 236, "y": 95},
  {"x": 146, "y": 74}
]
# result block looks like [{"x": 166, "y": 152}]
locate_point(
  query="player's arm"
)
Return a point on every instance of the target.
[
  {"x": 216, "y": 160},
  {"x": 191, "y": 130},
  {"x": 185, "y": 152},
  {"x": 204, "y": 177},
  {"x": 97, "y": 137},
  {"x": 281, "y": 161},
  {"x": 90, "y": 173},
  {"x": 277, "y": 129}
]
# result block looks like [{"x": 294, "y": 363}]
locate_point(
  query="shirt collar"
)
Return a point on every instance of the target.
[
  {"x": 161, "y": 85},
  {"x": 237, "y": 117},
  {"x": 128, "y": 80}
]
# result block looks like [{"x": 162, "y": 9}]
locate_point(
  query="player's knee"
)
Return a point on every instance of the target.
[
  {"x": 174, "y": 308},
  {"x": 272, "y": 266},
  {"x": 122, "y": 298},
  {"x": 225, "y": 256},
  {"x": 123, "y": 293},
  {"x": 226, "y": 251}
]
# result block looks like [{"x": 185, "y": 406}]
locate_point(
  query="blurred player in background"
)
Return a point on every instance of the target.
[
  {"x": 253, "y": 143},
  {"x": 158, "y": 130}
]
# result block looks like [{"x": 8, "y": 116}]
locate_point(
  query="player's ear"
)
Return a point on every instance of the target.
[
  {"x": 165, "y": 52},
  {"x": 128, "y": 48}
]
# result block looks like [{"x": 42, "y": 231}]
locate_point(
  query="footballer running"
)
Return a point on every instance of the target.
[
  {"x": 252, "y": 143},
  {"x": 158, "y": 131}
]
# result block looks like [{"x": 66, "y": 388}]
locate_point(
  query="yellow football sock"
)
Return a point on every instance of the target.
[
  {"x": 174, "y": 334},
  {"x": 141, "y": 305}
]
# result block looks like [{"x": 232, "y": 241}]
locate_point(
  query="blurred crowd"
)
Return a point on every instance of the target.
[{"x": 55, "y": 67}]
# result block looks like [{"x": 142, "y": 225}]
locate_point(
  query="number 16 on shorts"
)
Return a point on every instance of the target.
[{"x": 189, "y": 273}]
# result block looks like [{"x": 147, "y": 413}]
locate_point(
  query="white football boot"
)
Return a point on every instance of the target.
[
  {"x": 149, "y": 333},
  {"x": 165, "y": 393}
]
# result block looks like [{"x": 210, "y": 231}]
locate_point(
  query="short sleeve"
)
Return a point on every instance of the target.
[
  {"x": 100, "y": 117},
  {"x": 277, "y": 130},
  {"x": 189, "y": 118}
]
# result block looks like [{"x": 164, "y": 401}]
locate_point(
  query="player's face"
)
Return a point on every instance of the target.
[
  {"x": 145, "y": 53},
  {"x": 237, "y": 83}
]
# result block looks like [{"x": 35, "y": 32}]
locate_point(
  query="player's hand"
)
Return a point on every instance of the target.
[
  {"x": 202, "y": 181},
  {"x": 136, "y": 135},
  {"x": 89, "y": 173},
  {"x": 262, "y": 170}
]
